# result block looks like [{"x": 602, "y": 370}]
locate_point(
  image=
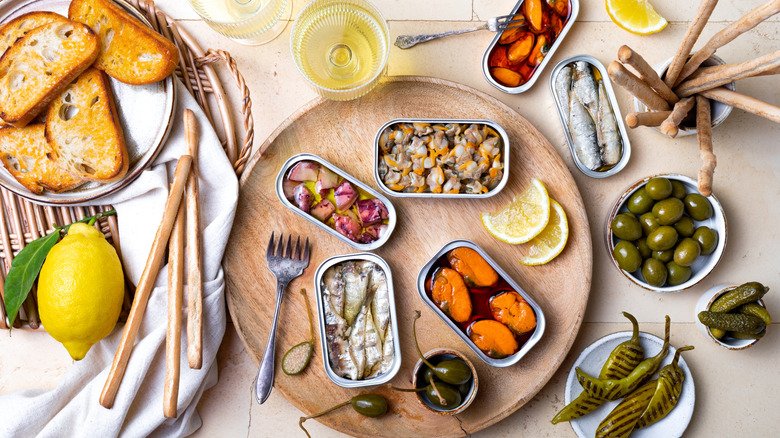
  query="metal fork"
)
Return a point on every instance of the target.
[
  {"x": 494, "y": 24},
  {"x": 285, "y": 266}
]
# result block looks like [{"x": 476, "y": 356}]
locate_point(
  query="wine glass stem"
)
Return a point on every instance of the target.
[{"x": 342, "y": 62}]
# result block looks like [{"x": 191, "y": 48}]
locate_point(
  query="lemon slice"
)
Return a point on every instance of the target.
[
  {"x": 551, "y": 241},
  {"x": 522, "y": 219},
  {"x": 635, "y": 16}
]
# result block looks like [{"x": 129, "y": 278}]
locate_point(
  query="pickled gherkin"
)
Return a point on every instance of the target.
[
  {"x": 733, "y": 322},
  {"x": 746, "y": 293},
  {"x": 758, "y": 310}
]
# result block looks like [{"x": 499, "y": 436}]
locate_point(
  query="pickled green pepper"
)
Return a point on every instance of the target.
[
  {"x": 623, "y": 359},
  {"x": 614, "y": 389},
  {"x": 667, "y": 393},
  {"x": 623, "y": 419}
]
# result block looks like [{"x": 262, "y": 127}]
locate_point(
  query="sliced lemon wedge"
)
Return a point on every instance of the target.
[
  {"x": 551, "y": 241},
  {"x": 636, "y": 16},
  {"x": 522, "y": 219}
]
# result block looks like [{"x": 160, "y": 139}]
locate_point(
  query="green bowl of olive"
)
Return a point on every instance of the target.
[
  {"x": 663, "y": 235},
  {"x": 458, "y": 394}
]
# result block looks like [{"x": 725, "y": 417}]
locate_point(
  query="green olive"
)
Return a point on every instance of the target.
[
  {"x": 678, "y": 189},
  {"x": 644, "y": 250},
  {"x": 662, "y": 238},
  {"x": 626, "y": 227},
  {"x": 668, "y": 211},
  {"x": 627, "y": 256},
  {"x": 648, "y": 222},
  {"x": 370, "y": 405},
  {"x": 686, "y": 252},
  {"x": 659, "y": 188},
  {"x": 640, "y": 202},
  {"x": 685, "y": 226},
  {"x": 698, "y": 207},
  {"x": 451, "y": 396},
  {"x": 677, "y": 274},
  {"x": 663, "y": 256},
  {"x": 707, "y": 238},
  {"x": 654, "y": 272}
]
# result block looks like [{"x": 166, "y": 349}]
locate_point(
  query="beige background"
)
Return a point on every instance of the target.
[{"x": 736, "y": 392}]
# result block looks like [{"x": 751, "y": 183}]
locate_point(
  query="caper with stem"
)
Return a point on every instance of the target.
[
  {"x": 369, "y": 405},
  {"x": 297, "y": 358},
  {"x": 452, "y": 371}
]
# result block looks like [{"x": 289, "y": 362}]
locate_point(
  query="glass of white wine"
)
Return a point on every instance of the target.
[
  {"x": 341, "y": 47},
  {"x": 251, "y": 22}
]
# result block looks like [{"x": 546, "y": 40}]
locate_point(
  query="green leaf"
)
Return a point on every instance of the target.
[{"x": 24, "y": 270}]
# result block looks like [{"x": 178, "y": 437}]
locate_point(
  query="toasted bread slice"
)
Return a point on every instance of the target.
[
  {"x": 23, "y": 153},
  {"x": 83, "y": 132},
  {"x": 16, "y": 28},
  {"x": 131, "y": 52},
  {"x": 38, "y": 66}
]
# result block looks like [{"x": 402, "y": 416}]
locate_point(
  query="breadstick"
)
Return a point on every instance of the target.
[
  {"x": 145, "y": 284},
  {"x": 646, "y": 73},
  {"x": 704, "y": 134},
  {"x": 681, "y": 109},
  {"x": 725, "y": 36},
  {"x": 632, "y": 84},
  {"x": 194, "y": 278},
  {"x": 173, "y": 334},
  {"x": 730, "y": 73},
  {"x": 691, "y": 35},
  {"x": 745, "y": 103},
  {"x": 718, "y": 68},
  {"x": 650, "y": 118}
]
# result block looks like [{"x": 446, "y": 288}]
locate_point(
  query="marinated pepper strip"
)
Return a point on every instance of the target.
[
  {"x": 623, "y": 419},
  {"x": 623, "y": 359},
  {"x": 667, "y": 393},
  {"x": 614, "y": 389}
]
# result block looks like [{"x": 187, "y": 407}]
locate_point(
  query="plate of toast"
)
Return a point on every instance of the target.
[{"x": 86, "y": 97}]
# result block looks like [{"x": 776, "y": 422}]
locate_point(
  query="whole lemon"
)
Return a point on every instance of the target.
[{"x": 80, "y": 290}]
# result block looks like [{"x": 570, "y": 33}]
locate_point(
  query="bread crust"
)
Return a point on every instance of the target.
[{"x": 132, "y": 52}]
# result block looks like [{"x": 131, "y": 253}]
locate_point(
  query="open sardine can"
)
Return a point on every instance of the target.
[
  {"x": 529, "y": 340},
  {"x": 392, "y": 330},
  {"x": 563, "y": 112}
]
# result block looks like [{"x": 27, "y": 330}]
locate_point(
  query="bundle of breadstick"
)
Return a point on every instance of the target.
[{"x": 687, "y": 84}]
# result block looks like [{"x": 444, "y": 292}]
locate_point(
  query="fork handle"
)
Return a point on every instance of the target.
[
  {"x": 407, "y": 41},
  {"x": 264, "y": 382}
]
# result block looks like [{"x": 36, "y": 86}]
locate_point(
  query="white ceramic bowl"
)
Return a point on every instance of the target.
[
  {"x": 704, "y": 303},
  {"x": 703, "y": 265},
  {"x": 719, "y": 111}
]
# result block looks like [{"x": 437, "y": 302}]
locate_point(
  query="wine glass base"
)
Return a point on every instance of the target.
[{"x": 270, "y": 34}]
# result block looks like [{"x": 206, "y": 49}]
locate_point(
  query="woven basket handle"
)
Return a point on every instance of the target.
[{"x": 213, "y": 56}]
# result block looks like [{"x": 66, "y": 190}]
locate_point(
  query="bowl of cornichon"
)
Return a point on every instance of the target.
[{"x": 735, "y": 317}]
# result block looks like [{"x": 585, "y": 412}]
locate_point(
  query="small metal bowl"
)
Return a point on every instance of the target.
[
  {"x": 719, "y": 111},
  {"x": 575, "y": 10},
  {"x": 504, "y": 153},
  {"x": 703, "y": 265},
  {"x": 705, "y": 302},
  {"x": 335, "y": 378},
  {"x": 391, "y": 214},
  {"x": 626, "y": 153},
  {"x": 425, "y": 272},
  {"x": 438, "y": 355}
]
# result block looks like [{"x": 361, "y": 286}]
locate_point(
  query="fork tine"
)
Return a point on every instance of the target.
[
  {"x": 502, "y": 27},
  {"x": 297, "y": 254},
  {"x": 502, "y": 18},
  {"x": 270, "y": 251},
  {"x": 306, "y": 251},
  {"x": 288, "y": 251},
  {"x": 280, "y": 247}
]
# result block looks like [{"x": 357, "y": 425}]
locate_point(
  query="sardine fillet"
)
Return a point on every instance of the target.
[
  {"x": 380, "y": 304},
  {"x": 609, "y": 139},
  {"x": 583, "y": 135},
  {"x": 562, "y": 90},
  {"x": 355, "y": 285}
]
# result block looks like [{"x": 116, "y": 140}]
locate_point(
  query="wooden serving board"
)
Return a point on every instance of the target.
[{"x": 343, "y": 133}]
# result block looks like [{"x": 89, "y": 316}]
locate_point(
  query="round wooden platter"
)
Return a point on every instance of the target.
[{"x": 343, "y": 133}]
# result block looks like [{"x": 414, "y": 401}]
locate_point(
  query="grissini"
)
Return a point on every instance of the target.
[
  {"x": 745, "y": 103},
  {"x": 691, "y": 35},
  {"x": 704, "y": 135},
  {"x": 173, "y": 334},
  {"x": 728, "y": 34},
  {"x": 146, "y": 284},
  {"x": 718, "y": 68},
  {"x": 646, "y": 73},
  {"x": 731, "y": 72},
  {"x": 649, "y": 118},
  {"x": 194, "y": 277},
  {"x": 632, "y": 84},
  {"x": 681, "y": 109}
]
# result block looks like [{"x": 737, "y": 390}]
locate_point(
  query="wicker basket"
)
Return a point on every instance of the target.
[{"x": 20, "y": 217}]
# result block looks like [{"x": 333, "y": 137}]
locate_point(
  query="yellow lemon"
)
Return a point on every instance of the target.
[
  {"x": 522, "y": 219},
  {"x": 80, "y": 290},
  {"x": 636, "y": 16},
  {"x": 551, "y": 241}
]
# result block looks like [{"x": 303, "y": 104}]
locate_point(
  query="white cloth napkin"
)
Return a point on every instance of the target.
[{"x": 72, "y": 409}]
